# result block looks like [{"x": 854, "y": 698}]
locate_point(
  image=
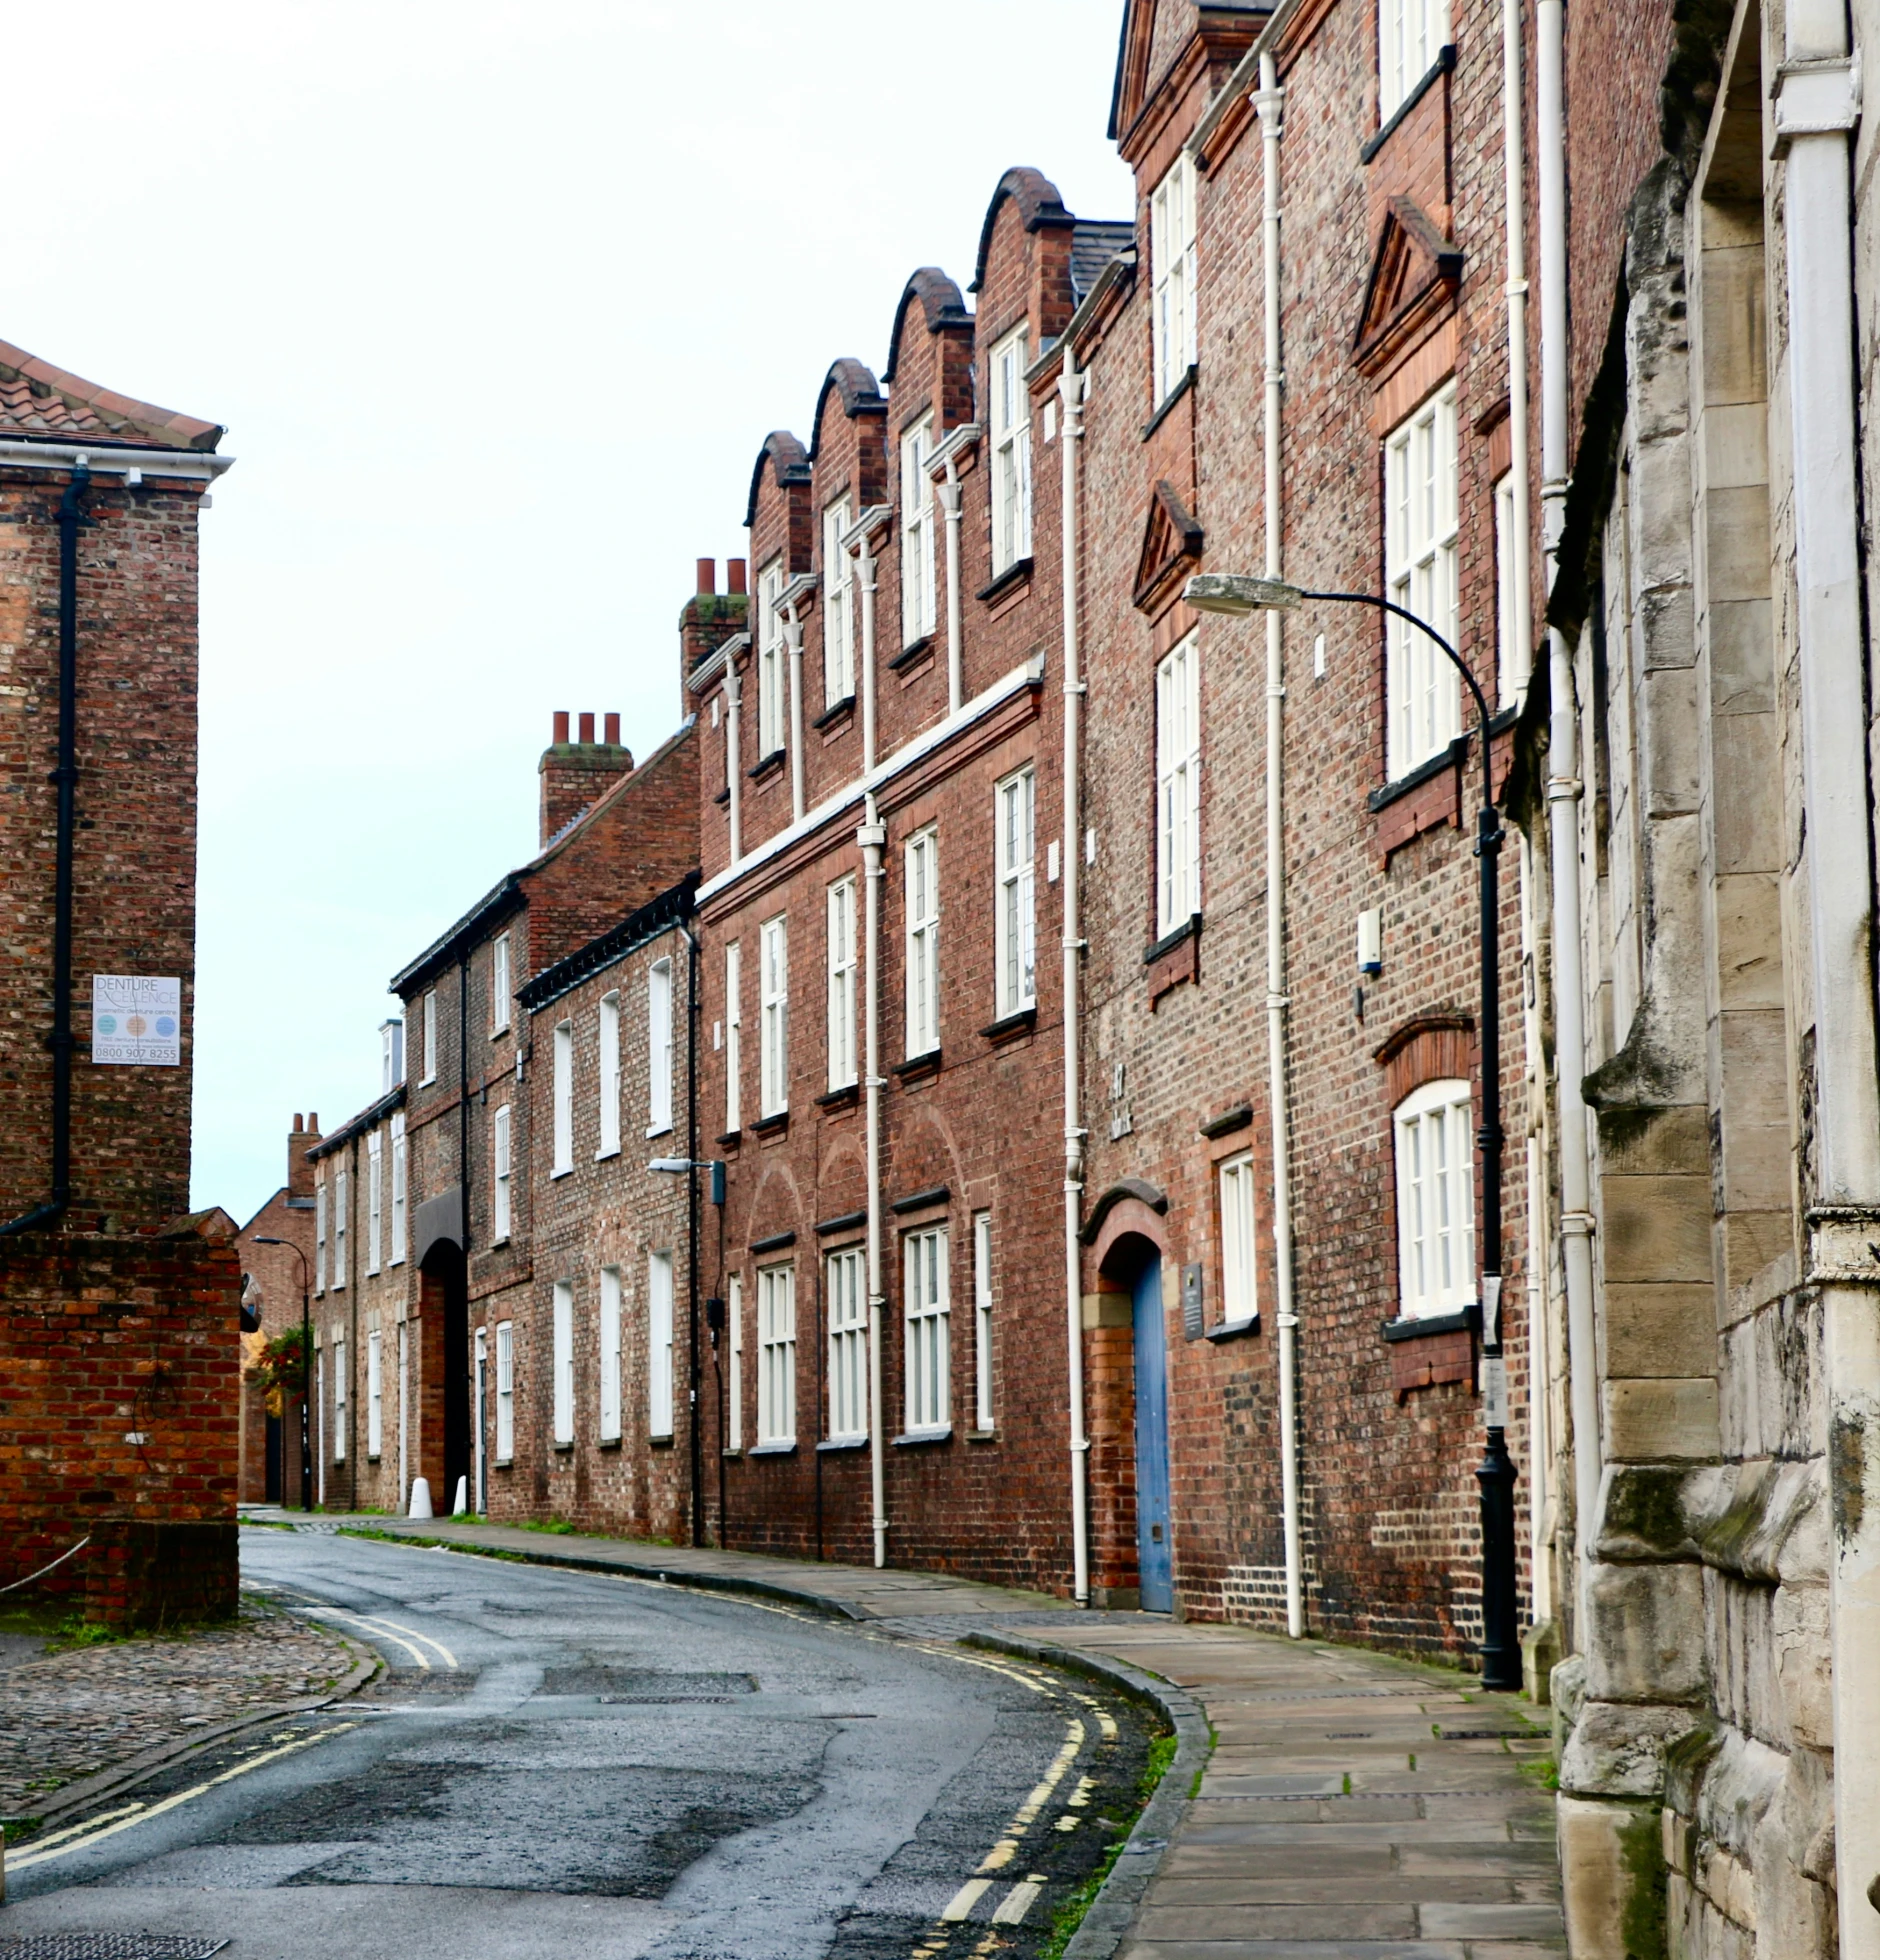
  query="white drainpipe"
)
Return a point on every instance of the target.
[
  {"x": 733, "y": 771},
  {"x": 1268, "y": 103},
  {"x": 865, "y": 577},
  {"x": 1817, "y": 105},
  {"x": 956, "y": 659},
  {"x": 1564, "y": 790},
  {"x": 793, "y": 636},
  {"x": 871, "y": 836},
  {"x": 1071, "y": 388}
]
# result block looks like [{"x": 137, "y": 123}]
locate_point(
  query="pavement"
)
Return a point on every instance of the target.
[{"x": 1354, "y": 1807}]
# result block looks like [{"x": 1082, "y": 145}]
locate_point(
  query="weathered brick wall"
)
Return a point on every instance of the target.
[{"x": 119, "y": 1372}]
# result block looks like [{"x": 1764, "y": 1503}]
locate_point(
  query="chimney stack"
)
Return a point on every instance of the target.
[
  {"x": 576, "y": 774},
  {"x": 709, "y": 618},
  {"x": 300, "y": 1140}
]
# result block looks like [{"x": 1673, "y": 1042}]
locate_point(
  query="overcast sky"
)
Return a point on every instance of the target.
[{"x": 497, "y": 303}]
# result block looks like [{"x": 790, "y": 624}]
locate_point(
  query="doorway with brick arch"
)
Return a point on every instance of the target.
[{"x": 437, "y": 1356}]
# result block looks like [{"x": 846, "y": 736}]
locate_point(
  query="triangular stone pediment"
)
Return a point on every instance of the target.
[
  {"x": 1416, "y": 274},
  {"x": 1171, "y": 542}
]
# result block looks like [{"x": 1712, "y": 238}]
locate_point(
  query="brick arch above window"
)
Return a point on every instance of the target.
[{"x": 1426, "y": 1048}]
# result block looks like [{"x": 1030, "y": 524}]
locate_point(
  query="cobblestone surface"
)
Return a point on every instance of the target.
[{"x": 75, "y": 1714}]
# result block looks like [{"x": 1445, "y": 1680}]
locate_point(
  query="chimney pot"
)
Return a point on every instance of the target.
[
  {"x": 734, "y": 576},
  {"x": 296, "y": 1119},
  {"x": 313, "y": 1121},
  {"x": 610, "y": 730},
  {"x": 587, "y": 731},
  {"x": 707, "y": 576},
  {"x": 561, "y": 727}
]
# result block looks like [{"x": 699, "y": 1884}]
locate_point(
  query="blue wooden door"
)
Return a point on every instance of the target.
[{"x": 1152, "y": 1520}]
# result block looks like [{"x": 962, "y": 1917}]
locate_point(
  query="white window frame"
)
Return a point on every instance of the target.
[
  {"x": 1178, "y": 786},
  {"x": 430, "y": 1038},
  {"x": 982, "y": 1321},
  {"x": 659, "y": 1317},
  {"x": 342, "y": 1205},
  {"x": 1172, "y": 270},
  {"x": 921, "y": 861},
  {"x": 1010, "y": 412},
  {"x": 734, "y": 1038},
  {"x": 772, "y": 662},
  {"x": 1510, "y": 682},
  {"x": 734, "y": 1317},
  {"x": 502, "y": 1174},
  {"x": 846, "y": 1292},
  {"x": 1423, "y": 693},
  {"x": 607, "y": 1096},
  {"x": 838, "y": 604},
  {"x": 401, "y": 1190},
  {"x": 773, "y": 1091},
  {"x": 505, "y": 1391},
  {"x": 776, "y": 1354},
  {"x": 659, "y": 1048},
  {"x": 563, "y": 1359},
  {"x": 562, "y": 1087},
  {"x": 1433, "y": 1132},
  {"x": 1240, "y": 1251},
  {"x": 375, "y": 1200},
  {"x": 1410, "y": 37},
  {"x": 1015, "y": 822},
  {"x": 608, "y": 1399},
  {"x": 339, "y": 1397},
  {"x": 926, "y": 1310},
  {"x": 919, "y": 578},
  {"x": 499, "y": 985},
  {"x": 842, "y": 968},
  {"x": 375, "y": 1395},
  {"x": 319, "y": 1235}
]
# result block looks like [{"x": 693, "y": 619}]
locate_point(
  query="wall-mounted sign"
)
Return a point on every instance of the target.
[
  {"x": 136, "y": 1020},
  {"x": 1193, "y": 1324}
]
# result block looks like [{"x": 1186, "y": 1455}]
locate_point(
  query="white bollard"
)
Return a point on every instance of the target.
[
  {"x": 461, "y": 1502},
  {"x": 420, "y": 1499}
]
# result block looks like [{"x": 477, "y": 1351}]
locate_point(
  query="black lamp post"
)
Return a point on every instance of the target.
[
  {"x": 1237, "y": 594},
  {"x": 306, "y": 1375}
]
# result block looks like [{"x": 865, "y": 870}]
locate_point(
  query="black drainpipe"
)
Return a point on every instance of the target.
[
  {"x": 71, "y": 520},
  {"x": 692, "y": 1223}
]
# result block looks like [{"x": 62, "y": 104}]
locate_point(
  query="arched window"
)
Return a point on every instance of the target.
[{"x": 1435, "y": 1199}]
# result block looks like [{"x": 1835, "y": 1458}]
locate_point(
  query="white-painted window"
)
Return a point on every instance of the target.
[
  {"x": 375, "y": 1393},
  {"x": 342, "y": 1209},
  {"x": 1014, "y": 812},
  {"x": 499, "y": 983},
  {"x": 924, "y": 1255},
  {"x": 501, "y": 1166},
  {"x": 430, "y": 1038},
  {"x": 505, "y": 1391},
  {"x": 773, "y": 1089},
  {"x": 923, "y": 943},
  {"x": 982, "y": 1319},
  {"x": 563, "y": 1087},
  {"x": 375, "y": 1199},
  {"x": 339, "y": 1397},
  {"x": 319, "y": 1235},
  {"x": 842, "y": 984},
  {"x": 659, "y": 1343},
  {"x": 848, "y": 1346},
  {"x": 610, "y": 1354},
  {"x": 1410, "y": 36},
  {"x": 1435, "y": 1200},
  {"x": 772, "y": 661},
  {"x": 1011, "y": 452},
  {"x": 1420, "y": 575},
  {"x": 607, "y": 1103},
  {"x": 1240, "y": 1283},
  {"x": 776, "y": 1354},
  {"x": 659, "y": 1048},
  {"x": 1178, "y": 787},
  {"x": 564, "y": 1361},
  {"x": 734, "y": 1038},
  {"x": 918, "y": 586},
  {"x": 401, "y": 1189},
  {"x": 1172, "y": 268},
  {"x": 734, "y": 1387},
  {"x": 838, "y": 605},
  {"x": 391, "y": 1055},
  {"x": 1510, "y": 675}
]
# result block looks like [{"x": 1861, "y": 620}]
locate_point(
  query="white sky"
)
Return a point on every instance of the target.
[{"x": 497, "y": 302}]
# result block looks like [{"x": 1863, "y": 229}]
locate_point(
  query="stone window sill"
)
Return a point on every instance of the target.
[
  {"x": 1232, "y": 1330},
  {"x": 916, "y": 1067},
  {"x": 766, "y": 766},
  {"x": 1007, "y": 1026},
  {"x": 837, "y": 1445},
  {"x": 1015, "y": 575},
  {"x": 772, "y": 1126},
  {"x": 1445, "y": 61},
  {"x": 1168, "y": 402},
  {"x": 916, "y": 1437},
  {"x": 834, "y": 712},
  {"x": 920, "y": 650},
  {"x": 774, "y": 1449}
]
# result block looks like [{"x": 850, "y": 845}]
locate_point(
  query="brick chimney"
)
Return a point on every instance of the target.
[
  {"x": 709, "y": 618},
  {"x": 300, "y": 1140},
  {"x": 575, "y": 774}
]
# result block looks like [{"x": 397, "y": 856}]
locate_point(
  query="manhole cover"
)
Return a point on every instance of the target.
[
  {"x": 107, "y": 1946},
  {"x": 620, "y": 1684}
]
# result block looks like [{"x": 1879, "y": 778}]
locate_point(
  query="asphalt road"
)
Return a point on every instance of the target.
[{"x": 571, "y": 1764}]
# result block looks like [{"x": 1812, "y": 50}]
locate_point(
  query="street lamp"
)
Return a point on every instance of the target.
[
  {"x": 684, "y": 1167},
  {"x": 1238, "y": 595},
  {"x": 306, "y": 1374}
]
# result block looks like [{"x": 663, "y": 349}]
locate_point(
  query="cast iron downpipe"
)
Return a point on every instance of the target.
[{"x": 72, "y": 520}]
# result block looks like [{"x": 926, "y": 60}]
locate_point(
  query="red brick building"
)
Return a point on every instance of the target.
[
  {"x": 274, "y": 1275},
  {"x": 118, "y": 1356}
]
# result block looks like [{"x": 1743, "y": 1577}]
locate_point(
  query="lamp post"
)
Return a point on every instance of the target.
[
  {"x": 1239, "y": 595},
  {"x": 306, "y": 1374},
  {"x": 684, "y": 1167}
]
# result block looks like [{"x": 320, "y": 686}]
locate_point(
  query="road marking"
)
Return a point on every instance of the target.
[
  {"x": 99, "y": 1830},
  {"x": 450, "y": 1659},
  {"x": 1017, "y": 1902},
  {"x": 968, "y": 1896},
  {"x": 973, "y": 1660},
  {"x": 1026, "y": 1815},
  {"x": 90, "y": 1824},
  {"x": 320, "y": 1610}
]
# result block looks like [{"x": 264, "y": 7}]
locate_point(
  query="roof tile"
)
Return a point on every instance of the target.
[{"x": 40, "y": 402}]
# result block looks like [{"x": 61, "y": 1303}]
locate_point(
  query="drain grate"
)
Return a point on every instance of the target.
[{"x": 108, "y": 1946}]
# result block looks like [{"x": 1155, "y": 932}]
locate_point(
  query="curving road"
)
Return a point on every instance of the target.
[{"x": 567, "y": 1764}]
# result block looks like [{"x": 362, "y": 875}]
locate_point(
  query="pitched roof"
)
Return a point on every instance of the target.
[
  {"x": 42, "y": 403},
  {"x": 1094, "y": 243}
]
